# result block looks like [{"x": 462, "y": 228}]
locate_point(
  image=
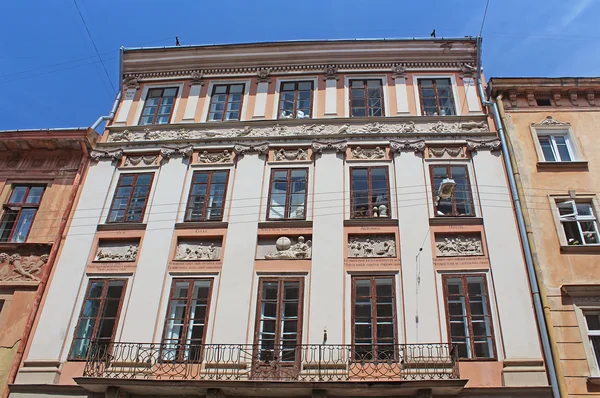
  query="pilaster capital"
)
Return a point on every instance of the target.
[
  {"x": 329, "y": 146},
  {"x": 242, "y": 149},
  {"x": 263, "y": 75},
  {"x": 399, "y": 71},
  {"x": 168, "y": 152},
  {"x": 407, "y": 145},
  {"x": 197, "y": 78},
  {"x": 113, "y": 155},
  {"x": 487, "y": 145},
  {"x": 331, "y": 72},
  {"x": 131, "y": 82}
]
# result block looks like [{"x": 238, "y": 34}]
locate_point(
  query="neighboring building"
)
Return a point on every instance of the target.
[
  {"x": 553, "y": 127},
  {"x": 40, "y": 173},
  {"x": 333, "y": 215}
]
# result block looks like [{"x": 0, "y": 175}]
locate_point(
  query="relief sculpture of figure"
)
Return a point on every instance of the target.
[
  {"x": 286, "y": 251},
  {"x": 197, "y": 252}
]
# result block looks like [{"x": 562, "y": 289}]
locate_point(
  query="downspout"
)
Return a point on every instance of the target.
[
  {"x": 533, "y": 281},
  {"x": 536, "y": 264},
  {"x": 47, "y": 271},
  {"x": 111, "y": 115}
]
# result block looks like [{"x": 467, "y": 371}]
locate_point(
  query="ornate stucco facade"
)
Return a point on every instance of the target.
[
  {"x": 552, "y": 125},
  {"x": 307, "y": 218}
]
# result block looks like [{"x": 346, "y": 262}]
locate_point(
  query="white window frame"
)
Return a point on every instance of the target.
[
  {"x": 147, "y": 87},
  {"x": 384, "y": 87},
  {"x": 315, "y": 92},
  {"x": 575, "y": 217},
  {"x": 209, "y": 93},
  {"x": 580, "y": 311},
  {"x": 551, "y": 135},
  {"x": 452, "y": 78}
]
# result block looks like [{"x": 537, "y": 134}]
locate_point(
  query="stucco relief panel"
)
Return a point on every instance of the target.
[
  {"x": 117, "y": 251},
  {"x": 193, "y": 249},
  {"x": 17, "y": 267},
  {"x": 455, "y": 245},
  {"x": 368, "y": 246},
  {"x": 284, "y": 247}
]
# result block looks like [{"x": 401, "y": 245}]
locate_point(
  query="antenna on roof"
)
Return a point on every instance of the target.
[
  {"x": 177, "y": 43},
  {"x": 432, "y": 33}
]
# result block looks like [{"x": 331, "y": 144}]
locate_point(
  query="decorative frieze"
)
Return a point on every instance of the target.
[
  {"x": 242, "y": 149},
  {"x": 446, "y": 152},
  {"x": 15, "y": 267},
  {"x": 116, "y": 251},
  {"x": 329, "y": 146},
  {"x": 458, "y": 245},
  {"x": 215, "y": 157},
  {"x": 284, "y": 248},
  {"x": 371, "y": 246},
  {"x": 550, "y": 121},
  {"x": 141, "y": 160},
  {"x": 297, "y": 130},
  {"x": 285, "y": 155},
  {"x": 172, "y": 152},
  {"x": 198, "y": 249},
  {"x": 485, "y": 145},
  {"x": 367, "y": 154},
  {"x": 409, "y": 146},
  {"x": 113, "y": 155}
]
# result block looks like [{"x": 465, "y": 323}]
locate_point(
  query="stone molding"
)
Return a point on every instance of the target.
[
  {"x": 141, "y": 160},
  {"x": 172, "y": 152},
  {"x": 329, "y": 146},
  {"x": 550, "y": 121},
  {"x": 215, "y": 157},
  {"x": 263, "y": 75},
  {"x": 292, "y": 155},
  {"x": 408, "y": 146},
  {"x": 242, "y": 149},
  {"x": 449, "y": 152},
  {"x": 487, "y": 145},
  {"x": 113, "y": 155},
  {"x": 367, "y": 154}
]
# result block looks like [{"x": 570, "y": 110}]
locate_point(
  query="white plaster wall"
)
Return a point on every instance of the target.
[
  {"x": 513, "y": 297},
  {"x": 60, "y": 302},
  {"x": 327, "y": 271},
  {"x": 235, "y": 290},
  {"x": 140, "y": 315}
]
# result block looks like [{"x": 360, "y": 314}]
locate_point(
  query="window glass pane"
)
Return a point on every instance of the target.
[
  {"x": 547, "y": 149},
  {"x": 18, "y": 195},
  {"x": 593, "y": 321},
  {"x": 34, "y": 196},
  {"x": 566, "y": 208},
  {"x": 588, "y": 229},
  {"x": 572, "y": 233},
  {"x": 563, "y": 150},
  {"x": 8, "y": 222},
  {"x": 584, "y": 209},
  {"x": 23, "y": 225}
]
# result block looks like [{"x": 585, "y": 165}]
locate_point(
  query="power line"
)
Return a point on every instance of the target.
[{"x": 484, "y": 14}]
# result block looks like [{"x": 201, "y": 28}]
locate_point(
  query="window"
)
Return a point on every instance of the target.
[
  {"x": 468, "y": 314},
  {"x": 295, "y": 100},
  {"x": 19, "y": 212},
  {"x": 159, "y": 105},
  {"x": 370, "y": 192},
  {"x": 226, "y": 102},
  {"x": 436, "y": 97},
  {"x": 207, "y": 196},
  {"x": 287, "y": 194},
  {"x": 279, "y": 319},
  {"x": 187, "y": 315},
  {"x": 130, "y": 198},
  {"x": 556, "y": 147},
  {"x": 579, "y": 222},
  {"x": 366, "y": 98},
  {"x": 543, "y": 102},
  {"x": 460, "y": 203},
  {"x": 99, "y": 316},
  {"x": 592, "y": 320},
  {"x": 373, "y": 318}
]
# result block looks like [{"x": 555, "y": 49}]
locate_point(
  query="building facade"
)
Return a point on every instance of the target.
[
  {"x": 40, "y": 173},
  {"x": 306, "y": 218},
  {"x": 552, "y": 127}
]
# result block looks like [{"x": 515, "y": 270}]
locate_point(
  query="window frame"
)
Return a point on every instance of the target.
[
  {"x": 208, "y": 185},
  {"x": 433, "y": 193},
  {"x": 577, "y": 219},
  {"x": 437, "y": 98},
  {"x": 366, "y": 96},
  {"x": 551, "y": 136},
  {"x": 180, "y": 352},
  {"x": 212, "y": 96},
  {"x": 287, "y": 194},
  {"x": 372, "y": 279},
  {"x": 101, "y": 307},
  {"x": 471, "y": 337},
  {"x": 112, "y": 203},
  {"x": 22, "y": 205},
  {"x": 163, "y": 88},
  {"x": 369, "y": 168},
  {"x": 295, "y": 91}
]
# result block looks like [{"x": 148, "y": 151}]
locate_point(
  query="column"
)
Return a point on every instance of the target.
[
  {"x": 192, "y": 102},
  {"x": 327, "y": 271},
  {"x": 418, "y": 276},
  {"x": 144, "y": 302},
  {"x": 235, "y": 290}
]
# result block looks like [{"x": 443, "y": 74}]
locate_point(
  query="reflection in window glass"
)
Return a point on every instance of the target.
[{"x": 19, "y": 213}]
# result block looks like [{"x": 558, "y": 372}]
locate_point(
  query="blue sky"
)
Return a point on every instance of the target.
[{"x": 51, "y": 77}]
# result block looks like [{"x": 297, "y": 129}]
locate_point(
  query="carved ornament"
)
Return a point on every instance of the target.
[
  {"x": 589, "y": 95},
  {"x": 331, "y": 72},
  {"x": 218, "y": 157},
  {"x": 197, "y": 78},
  {"x": 198, "y": 250},
  {"x": 487, "y": 145},
  {"x": 550, "y": 121},
  {"x": 470, "y": 126},
  {"x": 171, "y": 152},
  {"x": 113, "y": 155},
  {"x": 288, "y": 250},
  {"x": 573, "y": 98},
  {"x": 141, "y": 160},
  {"x": 117, "y": 251},
  {"x": 283, "y": 155},
  {"x": 367, "y": 154},
  {"x": 131, "y": 82},
  {"x": 263, "y": 75},
  {"x": 530, "y": 98},
  {"x": 17, "y": 268},
  {"x": 448, "y": 152},
  {"x": 329, "y": 146},
  {"x": 512, "y": 97},
  {"x": 458, "y": 245},
  {"x": 409, "y": 146},
  {"x": 399, "y": 71},
  {"x": 371, "y": 246},
  {"x": 242, "y": 149},
  {"x": 467, "y": 70},
  {"x": 557, "y": 96}
]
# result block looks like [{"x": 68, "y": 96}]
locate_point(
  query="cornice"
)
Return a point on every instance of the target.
[
  {"x": 242, "y": 149},
  {"x": 329, "y": 146},
  {"x": 113, "y": 155}
]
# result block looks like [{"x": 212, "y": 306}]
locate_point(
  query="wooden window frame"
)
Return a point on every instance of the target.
[
  {"x": 22, "y": 205},
  {"x": 366, "y": 96},
  {"x": 437, "y": 97},
  {"x": 208, "y": 185},
  {"x": 287, "y": 194},
  {"x": 280, "y": 280},
  {"x": 295, "y": 91},
  {"x": 135, "y": 175},
  {"x": 463, "y": 278},
  {"x": 99, "y": 314},
  {"x": 212, "y": 96},
  {"x": 374, "y": 344},
  {"x": 158, "y": 105},
  {"x": 387, "y": 177},
  {"x": 433, "y": 193},
  {"x": 186, "y": 318}
]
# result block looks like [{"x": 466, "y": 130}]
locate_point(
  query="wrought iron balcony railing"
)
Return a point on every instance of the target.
[{"x": 310, "y": 363}]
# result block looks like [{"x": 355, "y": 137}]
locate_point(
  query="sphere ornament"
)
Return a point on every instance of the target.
[{"x": 283, "y": 243}]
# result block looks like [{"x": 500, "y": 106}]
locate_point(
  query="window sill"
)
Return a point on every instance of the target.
[
  {"x": 594, "y": 380},
  {"x": 361, "y": 222},
  {"x": 466, "y": 220},
  {"x": 563, "y": 166},
  {"x": 580, "y": 249},
  {"x": 285, "y": 224},
  {"x": 201, "y": 225},
  {"x": 122, "y": 226}
]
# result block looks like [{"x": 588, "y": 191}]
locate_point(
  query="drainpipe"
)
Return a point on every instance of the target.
[
  {"x": 48, "y": 269},
  {"x": 531, "y": 273},
  {"x": 111, "y": 115}
]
